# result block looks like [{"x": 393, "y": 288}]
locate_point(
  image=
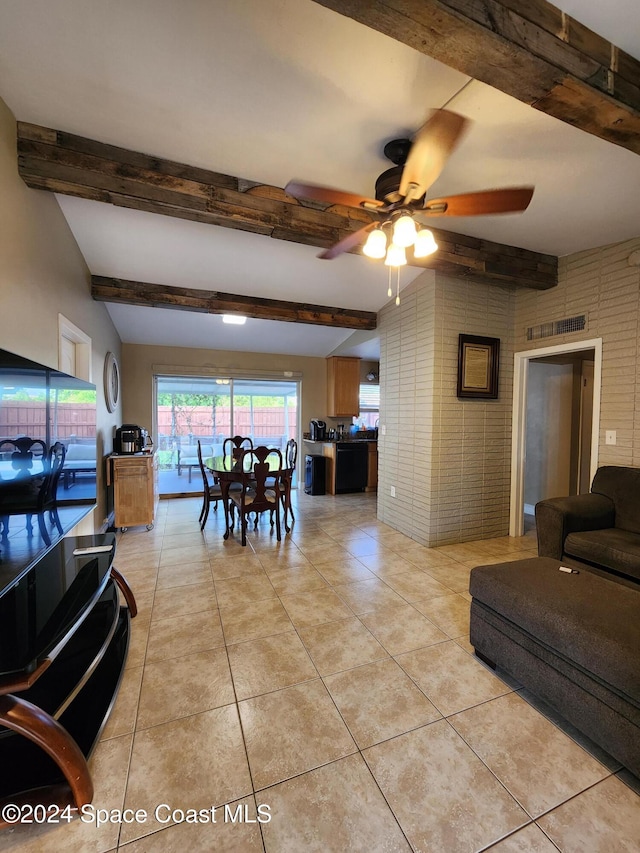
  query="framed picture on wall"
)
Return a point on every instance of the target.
[{"x": 478, "y": 367}]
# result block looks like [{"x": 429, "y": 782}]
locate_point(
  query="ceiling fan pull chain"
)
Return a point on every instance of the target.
[
  {"x": 398, "y": 287},
  {"x": 389, "y": 291}
]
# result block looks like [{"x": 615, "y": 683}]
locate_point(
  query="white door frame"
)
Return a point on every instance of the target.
[
  {"x": 519, "y": 423},
  {"x": 83, "y": 345}
]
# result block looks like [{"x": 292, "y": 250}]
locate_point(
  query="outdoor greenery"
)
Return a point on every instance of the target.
[
  {"x": 218, "y": 400},
  {"x": 67, "y": 395}
]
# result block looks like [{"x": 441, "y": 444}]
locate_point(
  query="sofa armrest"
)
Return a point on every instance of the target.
[{"x": 556, "y": 518}]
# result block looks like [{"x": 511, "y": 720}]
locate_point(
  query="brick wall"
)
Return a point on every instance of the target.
[
  {"x": 448, "y": 459},
  {"x": 603, "y": 285}
]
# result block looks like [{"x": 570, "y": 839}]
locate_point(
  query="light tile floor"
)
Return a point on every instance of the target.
[{"x": 328, "y": 683}]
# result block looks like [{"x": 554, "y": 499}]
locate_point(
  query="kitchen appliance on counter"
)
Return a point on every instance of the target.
[
  {"x": 131, "y": 438},
  {"x": 318, "y": 430}
]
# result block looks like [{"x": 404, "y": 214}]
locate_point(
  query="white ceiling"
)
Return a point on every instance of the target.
[{"x": 271, "y": 90}]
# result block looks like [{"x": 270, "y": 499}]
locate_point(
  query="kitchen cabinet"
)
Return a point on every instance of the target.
[
  {"x": 329, "y": 452},
  {"x": 372, "y": 472},
  {"x": 343, "y": 387},
  {"x": 135, "y": 489},
  {"x": 335, "y": 479}
]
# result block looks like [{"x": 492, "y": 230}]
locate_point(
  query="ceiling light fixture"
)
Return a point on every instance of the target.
[
  {"x": 403, "y": 234},
  {"x": 234, "y": 319}
]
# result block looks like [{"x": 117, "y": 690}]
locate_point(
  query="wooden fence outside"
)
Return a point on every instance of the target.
[
  {"x": 71, "y": 420},
  {"x": 185, "y": 425}
]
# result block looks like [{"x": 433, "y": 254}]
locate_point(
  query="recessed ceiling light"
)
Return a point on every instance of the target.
[{"x": 234, "y": 319}]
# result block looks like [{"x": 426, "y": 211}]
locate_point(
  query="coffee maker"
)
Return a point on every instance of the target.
[
  {"x": 318, "y": 430},
  {"x": 130, "y": 438}
]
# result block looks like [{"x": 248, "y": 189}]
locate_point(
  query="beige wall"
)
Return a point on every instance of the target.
[
  {"x": 448, "y": 459},
  {"x": 139, "y": 363},
  {"x": 42, "y": 273},
  {"x": 603, "y": 285}
]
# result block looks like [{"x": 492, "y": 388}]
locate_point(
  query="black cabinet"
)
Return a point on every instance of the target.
[{"x": 63, "y": 644}]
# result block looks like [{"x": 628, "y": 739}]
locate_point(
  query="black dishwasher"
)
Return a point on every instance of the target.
[{"x": 352, "y": 463}]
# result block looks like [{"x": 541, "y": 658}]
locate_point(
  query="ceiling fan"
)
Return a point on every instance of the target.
[{"x": 400, "y": 194}]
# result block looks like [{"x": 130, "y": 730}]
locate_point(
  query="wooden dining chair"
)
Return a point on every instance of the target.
[
  {"x": 34, "y": 490},
  {"x": 211, "y": 492},
  {"x": 235, "y": 445},
  {"x": 291, "y": 460},
  {"x": 260, "y": 491}
]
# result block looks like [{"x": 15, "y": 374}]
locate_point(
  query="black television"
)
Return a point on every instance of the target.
[{"x": 56, "y": 411}]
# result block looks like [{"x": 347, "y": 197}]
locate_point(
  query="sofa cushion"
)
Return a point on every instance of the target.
[
  {"x": 612, "y": 548},
  {"x": 81, "y": 453},
  {"x": 189, "y": 453},
  {"x": 591, "y": 620},
  {"x": 622, "y": 486}
]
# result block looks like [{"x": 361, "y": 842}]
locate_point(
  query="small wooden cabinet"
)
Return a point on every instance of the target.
[
  {"x": 135, "y": 489},
  {"x": 343, "y": 386}
]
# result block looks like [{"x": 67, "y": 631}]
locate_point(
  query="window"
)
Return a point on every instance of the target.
[
  {"x": 369, "y": 405},
  {"x": 192, "y": 408}
]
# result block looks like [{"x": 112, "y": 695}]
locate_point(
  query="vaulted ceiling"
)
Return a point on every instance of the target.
[{"x": 269, "y": 90}]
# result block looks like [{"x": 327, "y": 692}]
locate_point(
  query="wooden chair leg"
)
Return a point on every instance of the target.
[
  {"x": 43, "y": 528},
  {"x": 56, "y": 520},
  {"x": 205, "y": 512},
  {"x": 278, "y": 531}
]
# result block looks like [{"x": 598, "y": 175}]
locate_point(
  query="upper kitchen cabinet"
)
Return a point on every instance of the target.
[{"x": 343, "y": 384}]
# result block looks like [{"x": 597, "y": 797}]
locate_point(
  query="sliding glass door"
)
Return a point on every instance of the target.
[{"x": 209, "y": 409}]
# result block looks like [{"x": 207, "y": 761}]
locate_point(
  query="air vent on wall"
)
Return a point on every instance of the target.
[{"x": 557, "y": 327}]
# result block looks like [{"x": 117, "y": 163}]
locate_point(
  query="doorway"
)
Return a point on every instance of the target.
[{"x": 555, "y": 425}]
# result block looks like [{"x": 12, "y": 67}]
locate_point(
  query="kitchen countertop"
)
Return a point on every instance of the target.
[{"x": 342, "y": 441}]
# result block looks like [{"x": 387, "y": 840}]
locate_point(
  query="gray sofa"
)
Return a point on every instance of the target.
[
  {"x": 601, "y": 529},
  {"x": 573, "y": 638}
]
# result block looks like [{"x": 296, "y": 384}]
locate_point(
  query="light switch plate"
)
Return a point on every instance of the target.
[{"x": 610, "y": 436}]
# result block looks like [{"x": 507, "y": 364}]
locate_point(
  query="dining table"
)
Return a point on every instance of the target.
[{"x": 227, "y": 470}]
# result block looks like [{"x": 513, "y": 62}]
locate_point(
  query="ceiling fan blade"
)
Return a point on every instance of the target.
[
  {"x": 348, "y": 242},
  {"x": 511, "y": 200},
  {"x": 300, "y": 190},
  {"x": 432, "y": 146}
]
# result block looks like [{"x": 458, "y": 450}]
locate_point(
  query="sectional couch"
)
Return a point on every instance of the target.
[{"x": 566, "y": 624}]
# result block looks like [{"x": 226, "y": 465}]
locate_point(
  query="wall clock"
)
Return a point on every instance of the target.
[{"x": 111, "y": 381}]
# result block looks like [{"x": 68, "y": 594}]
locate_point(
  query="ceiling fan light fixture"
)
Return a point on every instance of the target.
[
  {"x": 425, "y": 244},
  {"x": 376, "y": 245},
  {"x": 404, "y": 231},
  {"x": 396, "y": 256}
]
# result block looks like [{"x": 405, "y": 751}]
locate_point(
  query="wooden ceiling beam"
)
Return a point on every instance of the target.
[
  {"x": 104, "y": 289},
  {"x": 72, "y": 165},
  {"x": 527, "y": 48}
]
